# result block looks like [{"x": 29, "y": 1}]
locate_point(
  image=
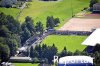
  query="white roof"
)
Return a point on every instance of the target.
[
  {"x": 75, "y": 59},
  {"x": 23, "y": 49},
  {"x": 22, "y": 58},
  {"x": 93, "y": 39}
]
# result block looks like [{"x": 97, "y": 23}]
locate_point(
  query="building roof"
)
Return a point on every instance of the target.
[
  {"x": 96, "y": 7},
  {"x": 20, "y": 58},
  {"x": 75, "y": 59},
  {"x": 93, "y": 39}
]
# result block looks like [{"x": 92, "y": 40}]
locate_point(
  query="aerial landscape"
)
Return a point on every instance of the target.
[{"x": 49, "y": 32}]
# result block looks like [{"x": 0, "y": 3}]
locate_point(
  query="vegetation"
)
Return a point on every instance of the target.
[
  {"x": 72, "y": 43},
  {"x": 61, "y": 9},
  {"x": 25, "y": 64},
  {"x": 9, "y": 36},
  {"x": 52, "y": 22},
  {"x": 13, "y": 35},
  {"x": 7, "y": 3},
  {"x": 39, "y": 27},
  {"x": 10, "y": 11}
]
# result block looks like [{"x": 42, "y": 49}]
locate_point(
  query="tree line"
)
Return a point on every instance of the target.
[
  {"x": 13, "y": 34},
  {"x": 44, "y": 54}
]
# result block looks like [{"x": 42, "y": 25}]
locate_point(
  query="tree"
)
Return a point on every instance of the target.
[
  {"x": 7, "y": 3},
  {"x": 12, "y": 44},
  {"x": 25, "y": 35},
  {"x": 97, "y": 57},
  {"x": 50, "y": 22},
  {"x": 9, "y": 32},
  {"x": 56, "y": 21},
  {"x": 39, "y": 27},
  {"x": 4, "y": 52},
  {"x": 38, "y": 48},
  {"x": 13, "y": 25},
  {"x": 77, "y": 52},
  {"x": 64, "y": 52},
  {"x": 30, "y": 25},
  {"x": 33, "y": 53}
]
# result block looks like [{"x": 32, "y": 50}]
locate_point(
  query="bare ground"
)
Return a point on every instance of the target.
[{"x": 86, "y": 23}]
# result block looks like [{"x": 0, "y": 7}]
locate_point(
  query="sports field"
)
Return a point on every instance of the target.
[{"x": 71, "y": 42}]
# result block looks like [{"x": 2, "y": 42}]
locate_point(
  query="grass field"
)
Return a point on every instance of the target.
[
  {"x": 10, "y": 11},
  {"x": 25, "y": 64},
  {"x": 39, "y": 10},
  {"x": 70, "y": 41}
]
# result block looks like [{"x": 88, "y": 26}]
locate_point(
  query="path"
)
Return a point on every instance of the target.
[{"x": 21, "y": 9}]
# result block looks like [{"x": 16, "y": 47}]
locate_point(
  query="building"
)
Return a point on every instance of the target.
[
  {"x": 75, "y": 61},
  {"x": 96, "y": 7},
  {"x": 25, "y": 0},
  {"x": 92, "y": 41},
  {"x": 20, "y": 59}
]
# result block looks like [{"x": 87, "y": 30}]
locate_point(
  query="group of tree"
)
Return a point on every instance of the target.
[
  {"x": 9, "y": 36},
  {"x": 29, "y": 29},
  {"x": 7, "y": 3},
  {"x": 52, "y": 22},
  {"x": 43, "y": 52},
  {"x": 47, "y": 53},
  {"x": 13, "y": 34}
]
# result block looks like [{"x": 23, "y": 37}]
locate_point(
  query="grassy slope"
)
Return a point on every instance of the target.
[
  {"x": 10, "y": 11},
  {"x": 40, "y": 10},
  {"x": 25, "y": 64},
  {"x": 71, "y": 42}
]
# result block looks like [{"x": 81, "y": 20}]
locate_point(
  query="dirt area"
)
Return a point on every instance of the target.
[{"x": 86, "y": 23}]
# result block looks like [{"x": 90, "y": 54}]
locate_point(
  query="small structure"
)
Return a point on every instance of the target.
[
  {"x": 76, "y": 61},
  {"x": 96, "y": 7},
  {"x": 20, "y": 59}
]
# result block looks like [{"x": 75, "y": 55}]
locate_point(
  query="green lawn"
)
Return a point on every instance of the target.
[
  {"x": 39, "y": 10},
  {"x": 25, "y": 64},
  {"x": 70, "y": 41},
  {"x": 10, "y": 11}
]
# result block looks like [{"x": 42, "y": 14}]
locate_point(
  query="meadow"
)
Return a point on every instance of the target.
[
  {"x": 71, "y": 42},
  {"x": 25, "y": 64},
  {"x": 39, "y": 10},
  {"x": 10, "y": 11}
]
